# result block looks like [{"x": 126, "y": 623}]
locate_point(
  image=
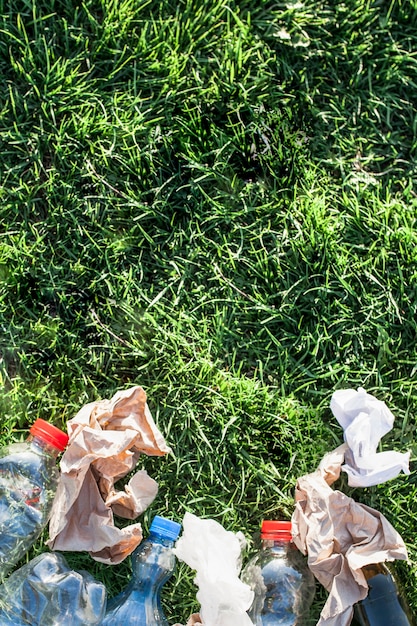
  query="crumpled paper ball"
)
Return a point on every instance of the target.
[{"x": 107, "y": 438}]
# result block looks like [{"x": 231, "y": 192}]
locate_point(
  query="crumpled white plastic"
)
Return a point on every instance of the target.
[
  {"x": 365, "y": 420},
  {"x": 215, "y": 554}
]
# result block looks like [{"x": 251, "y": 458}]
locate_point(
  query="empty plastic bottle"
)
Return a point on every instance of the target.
[
  {"x": 46, "y": 592},
  {"x": 153, "y": 563},
  {"x": 385, "y": 604},
  {"x": 278, "y": 574},
  {"x": 28, "y": 481}
]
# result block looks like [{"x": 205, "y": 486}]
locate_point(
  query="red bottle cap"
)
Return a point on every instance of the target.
[
  {"x": 49, "y": 433},
  {"x": 273, "y": 529}
]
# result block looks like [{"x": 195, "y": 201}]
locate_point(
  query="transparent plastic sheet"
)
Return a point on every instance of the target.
[{"x": 46, "y": 592}]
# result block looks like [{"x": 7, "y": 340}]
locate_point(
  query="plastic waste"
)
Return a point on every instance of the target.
[
  {"x": 153, "y": 563},
  {"x": 28, "y": 481},
  {"x": 385, "y": 604},
  {"x": 365, "y": 420},
  {"x": 216, "y": 556},
  {"x": 46, "y": 592},
  {"x": 278, "y": 574},
  {"x": 339, "y": 536}
]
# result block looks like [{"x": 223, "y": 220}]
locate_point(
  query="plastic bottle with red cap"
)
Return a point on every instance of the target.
[
  {"x": 278, "y": 574},
  {"x": 28, "y": 481}
]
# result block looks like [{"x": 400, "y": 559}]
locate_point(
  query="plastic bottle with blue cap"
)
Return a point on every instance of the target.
[{"x": 153, "y": 563}]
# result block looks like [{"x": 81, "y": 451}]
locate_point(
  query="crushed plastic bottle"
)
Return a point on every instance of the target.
[
  {"x": 385, "y": 604},
  {"x": 46, "y": 592},
  {"x": 28, "y": 481},
  {"x": 278, "y": 574},
  {"x": 153, "y": 563}
]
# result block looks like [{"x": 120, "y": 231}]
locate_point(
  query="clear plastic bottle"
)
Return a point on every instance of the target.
[
  {"x": 278, "y": 574},
  {"x": 385, "y": 604},
  {"x": 153, "y": 563},
  {"x": 46, "y": 592},
  {"x": 28, "y": 481}
]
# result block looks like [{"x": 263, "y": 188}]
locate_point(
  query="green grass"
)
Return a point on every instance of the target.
[{"x": 216, "y": 200}]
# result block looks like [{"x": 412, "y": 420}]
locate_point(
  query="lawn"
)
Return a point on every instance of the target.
[{"x": 217, "y": 201}]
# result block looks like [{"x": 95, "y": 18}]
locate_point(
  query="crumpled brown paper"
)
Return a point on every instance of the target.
[
  {"x": 106, "y": 440},
  {"x": 340, "y": 536}
]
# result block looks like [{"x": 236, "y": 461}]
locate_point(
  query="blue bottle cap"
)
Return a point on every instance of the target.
[{"x": 165, "y": 527}]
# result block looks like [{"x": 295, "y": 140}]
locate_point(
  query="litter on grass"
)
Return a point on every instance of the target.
[
  {"x": 216, "y": 556},
  {"x": 365, "y": 420},
  {"x": 106, "y": 440},
  {"x": 340, "y": 536}
]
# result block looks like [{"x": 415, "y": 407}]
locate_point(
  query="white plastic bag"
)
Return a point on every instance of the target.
[
  {"x": 215, "y": 554},
  {"x": 365, "y": 420}
]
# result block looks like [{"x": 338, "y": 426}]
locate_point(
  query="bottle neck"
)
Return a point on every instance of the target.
[
  {"x": 374, "y": 569},
  {"x": 154, "y": 553},
  {"x": 43, "y": 446},
  {"x": 281, "y": 541},
  {"x": 164, "y": 541},
  {"x": 151, "y": 568}
]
